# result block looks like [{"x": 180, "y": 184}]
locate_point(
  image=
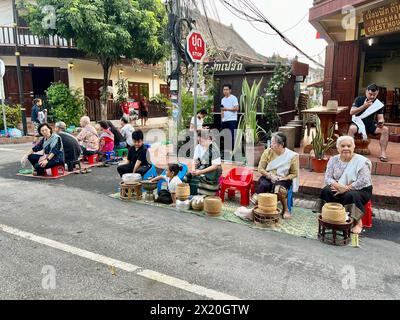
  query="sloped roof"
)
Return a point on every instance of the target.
[{"x": 227, "y": 39}]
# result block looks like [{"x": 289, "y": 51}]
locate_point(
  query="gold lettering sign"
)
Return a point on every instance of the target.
[{"x": 381, "y": 20}]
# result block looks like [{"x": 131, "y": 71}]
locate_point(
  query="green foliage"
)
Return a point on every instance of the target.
[
  {"x": 67, "y": 104},
  {"x": 122, "y": 90},
  {"x": 13, "y": 116},
  {"x": 161, "y": 99},
  {"x": 248, "y": 128},
  {"x": 187, "y": 108},
  {"x": 318, "y": 144},
  {"x": 279, "y": 79},
  {"x": 104, "y": 29}
]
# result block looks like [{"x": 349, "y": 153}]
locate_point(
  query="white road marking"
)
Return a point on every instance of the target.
[
  {"x": 149, "y": 274},
  {"x": 12, "y": 150}
]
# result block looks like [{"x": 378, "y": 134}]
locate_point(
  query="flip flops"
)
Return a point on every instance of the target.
[{"x": 384, "y": 159}]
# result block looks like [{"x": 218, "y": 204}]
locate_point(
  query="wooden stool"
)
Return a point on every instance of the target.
[
  {"x": 129, "y": 191},
  {"x": 263, "y": 219},
  {"x": 341, "y": 233}
]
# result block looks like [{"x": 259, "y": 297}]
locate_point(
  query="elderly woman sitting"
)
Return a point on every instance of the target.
[
  {"x": 88, "y": 137},
  {"x": 279, "y": 167},
  {"x": 206, "y": 167},
  {"x": 53, "y": 151},
  {"x": 348, "y": 181}
]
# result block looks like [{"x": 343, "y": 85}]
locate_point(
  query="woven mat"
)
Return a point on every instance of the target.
[
  {"x": 304, "y": 222},
  {"x": 28, "y": 172}
]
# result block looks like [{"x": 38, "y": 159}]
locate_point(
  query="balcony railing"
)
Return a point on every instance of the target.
[{"x": 27, "y": 39}]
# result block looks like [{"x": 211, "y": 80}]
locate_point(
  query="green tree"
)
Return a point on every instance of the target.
[
  {"x": 108, "y": 30},
  {"x": 66, "y": 104}
]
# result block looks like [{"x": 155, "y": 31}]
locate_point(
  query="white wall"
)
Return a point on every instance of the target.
[
  {"x": 89, "y": 69},
  {"x": 389, "y": 77},
  {"x": 6, "y": 13}
]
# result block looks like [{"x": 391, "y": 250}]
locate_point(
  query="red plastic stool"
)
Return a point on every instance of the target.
[
  {"x": 55, "y": 171},
  {"x": 367, "y": 217},
  {"x": 92, "y": 159},
  {"x": 238, "y": 179}
]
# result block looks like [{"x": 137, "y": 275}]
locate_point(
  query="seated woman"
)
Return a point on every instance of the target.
[
  {"x": 279, "y": 167},
  {"x": 348, "y": 181},
  {"x": 206, "y": 170},
  {"x": 53, "y": 151},
  {"x": 138, "y": 160},
  {"x": 168, "y": 196},
  {"x": 106, "y": 138},
  {"x": 119, "y": 141},
  {"x": 88, "y": 137}
]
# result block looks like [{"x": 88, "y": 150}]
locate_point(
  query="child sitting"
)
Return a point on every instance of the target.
[
  {"x": 168, "y": 196},
  {"x": 106, "y": 138}
]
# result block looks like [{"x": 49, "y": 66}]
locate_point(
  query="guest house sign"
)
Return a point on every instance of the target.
[
  {"x": 227, "y": 67},
  {"x": 381, "y": 20}
]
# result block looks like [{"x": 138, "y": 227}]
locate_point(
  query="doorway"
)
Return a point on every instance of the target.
[
  {"x": 380, "y": 64},
  {"x": 41, "y": 80}
]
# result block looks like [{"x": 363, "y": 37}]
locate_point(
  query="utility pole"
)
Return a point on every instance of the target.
[
  {"x": 19, "y": 75},
  {"x": 176, "y": 83}
]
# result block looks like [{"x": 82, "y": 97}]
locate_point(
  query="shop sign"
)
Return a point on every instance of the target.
[{"x": 382, "y": 20}]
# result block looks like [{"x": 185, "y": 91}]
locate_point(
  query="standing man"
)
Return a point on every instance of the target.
[
  {"x": 229, "y": 111},
  {"x": 144, "y": 110},
  {"x": 37, "y": 103},
  {"x": 363, "y": 113}
]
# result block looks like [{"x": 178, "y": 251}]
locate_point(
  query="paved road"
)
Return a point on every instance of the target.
[{"x": 59, "y": 238}]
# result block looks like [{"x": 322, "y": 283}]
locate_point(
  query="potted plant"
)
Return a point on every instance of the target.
[
  {"x": 319, "y": 161},
  {"x": 248, "y": 128}
]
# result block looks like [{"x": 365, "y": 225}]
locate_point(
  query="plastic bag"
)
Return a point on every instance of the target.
[{"x": 14, "y": 133}]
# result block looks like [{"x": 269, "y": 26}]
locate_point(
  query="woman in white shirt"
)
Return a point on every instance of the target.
[{"x": 200, "y": 120}]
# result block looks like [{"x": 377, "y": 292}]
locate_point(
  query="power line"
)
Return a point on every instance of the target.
[{"x": 262, "y": 18}]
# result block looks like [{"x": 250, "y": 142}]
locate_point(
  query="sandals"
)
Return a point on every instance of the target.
[{"x": 384, "y": 159}]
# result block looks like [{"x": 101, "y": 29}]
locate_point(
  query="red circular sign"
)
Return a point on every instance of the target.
[{"x": 196, "y": 46}]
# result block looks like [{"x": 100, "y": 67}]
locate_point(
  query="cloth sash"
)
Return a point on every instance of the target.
[
  {"x": 377, "y": 105},
  {"x": 52, "y": 142},
  {"x": 355, "y": 165},
  {"x": 282, "y": 165}
]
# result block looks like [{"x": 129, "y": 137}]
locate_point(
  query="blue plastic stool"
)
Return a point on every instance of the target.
[
  {"x": 181, "y": 175},
  {"x": 110, "y": 154},
  {"x": 290, "y": 199}
]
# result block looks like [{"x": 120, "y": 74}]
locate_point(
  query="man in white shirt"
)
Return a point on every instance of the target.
[
  {"x": 229, "y": 111},
  {"x": 200, "y": 120},
  {"x": 126, "y": 132}
]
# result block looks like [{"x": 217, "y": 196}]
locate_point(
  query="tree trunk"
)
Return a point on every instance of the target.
[{"x": 104, "y": 94}]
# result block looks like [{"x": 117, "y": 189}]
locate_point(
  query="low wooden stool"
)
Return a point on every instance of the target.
[
  {"x": 335, "y": 234},
  {"x": 263, "y": 219},
  {"x": 129, "y": 191},
  {"x": 362, "y": 146}
]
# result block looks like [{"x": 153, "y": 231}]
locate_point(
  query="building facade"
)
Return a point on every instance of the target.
[
  {"x": 363, "y": 47},
  {"x": 50, "y": 59}
]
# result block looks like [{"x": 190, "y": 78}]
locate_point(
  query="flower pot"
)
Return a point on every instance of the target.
[
  {"x": 334, "y": 212},
  {"x": 182, "y": 191},
  {"x": 213, "y": 205},
  {"x": 256, "y": 151},
  {"x": 319, "y": 165}
]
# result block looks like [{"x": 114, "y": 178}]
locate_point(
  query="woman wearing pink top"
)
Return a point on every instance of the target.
[{"x": 106, "y": 138}]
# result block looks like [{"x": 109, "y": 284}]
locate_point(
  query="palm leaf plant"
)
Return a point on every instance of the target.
[
  {"x": 318, "y": 141},
  {"x": 248, "y": 128}
]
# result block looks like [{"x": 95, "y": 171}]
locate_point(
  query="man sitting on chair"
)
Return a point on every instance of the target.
[{"x": 363, "y": 114}]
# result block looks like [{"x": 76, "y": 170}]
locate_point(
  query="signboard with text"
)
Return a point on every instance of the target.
[
  {"x": 196, "y": 46},
  {"x": 382, "y": 20}
]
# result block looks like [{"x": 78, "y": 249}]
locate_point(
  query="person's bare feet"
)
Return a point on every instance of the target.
[
  {"x": 287, "y": 215},
  {"x": 357, "y": 229}
]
